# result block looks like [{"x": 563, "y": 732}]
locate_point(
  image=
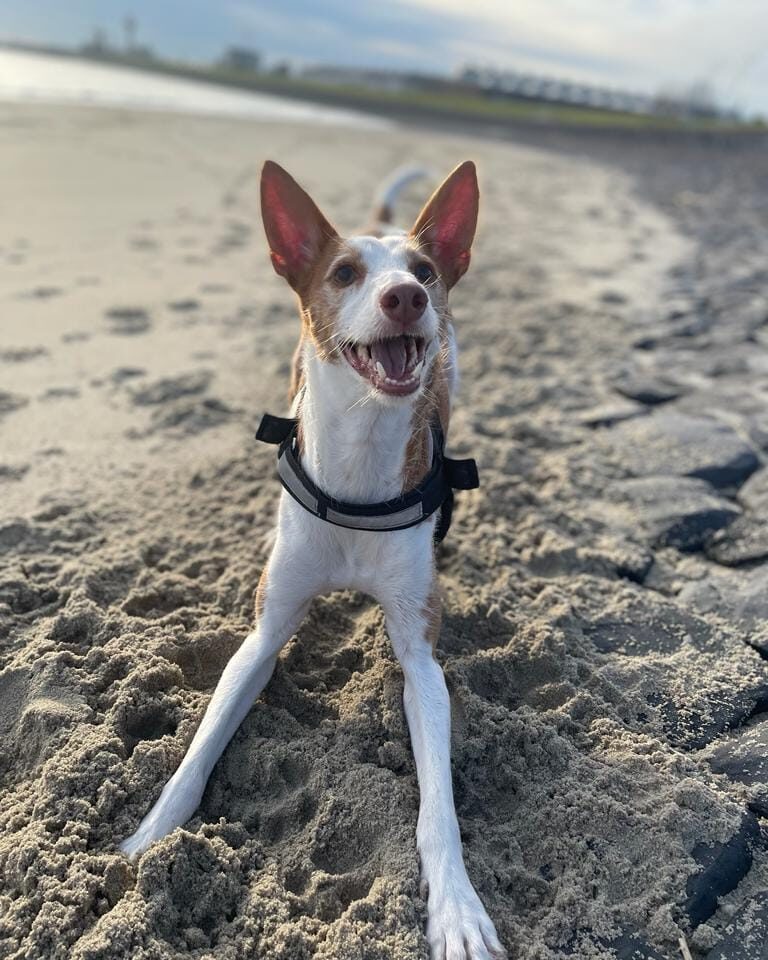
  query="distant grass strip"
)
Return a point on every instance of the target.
[{"x": 449, "y": 105}]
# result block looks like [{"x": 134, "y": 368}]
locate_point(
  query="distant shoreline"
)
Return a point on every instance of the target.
[{"x": 459, "y": 111}]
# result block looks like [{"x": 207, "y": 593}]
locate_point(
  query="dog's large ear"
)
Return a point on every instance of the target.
[
  {"x": 296, "y": 230},
  {"x": 446, "y": 225}
]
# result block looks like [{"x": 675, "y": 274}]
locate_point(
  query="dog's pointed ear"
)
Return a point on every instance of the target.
[
  {"x": 446, "y": 225},
  {"x": 296, "y": 230}
]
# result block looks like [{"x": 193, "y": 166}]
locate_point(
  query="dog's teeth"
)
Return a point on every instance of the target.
[
  {"x": 417, "y": 369},
  {"x": 364, "y": 353},
  {"x": 380, "y": 370}
]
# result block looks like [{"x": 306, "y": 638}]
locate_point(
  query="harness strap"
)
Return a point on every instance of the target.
[
  {"x": 435, "y": 490},
  {"x": 275, "y": 429}
]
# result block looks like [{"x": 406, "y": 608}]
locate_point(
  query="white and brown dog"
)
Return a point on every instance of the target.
[{"x": 374, "y": 376}]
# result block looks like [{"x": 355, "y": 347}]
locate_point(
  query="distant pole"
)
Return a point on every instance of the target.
[{"x": 129, "y": 28}]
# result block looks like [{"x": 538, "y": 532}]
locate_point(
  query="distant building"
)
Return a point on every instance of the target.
[{"x": 241, "y": 59}]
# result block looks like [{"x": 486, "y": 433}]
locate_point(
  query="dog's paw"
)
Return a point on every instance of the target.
[
  {"x": 138, "y": 842},
  {"x": 174, "y": 807},
  {"x": 458, "y": 928}
]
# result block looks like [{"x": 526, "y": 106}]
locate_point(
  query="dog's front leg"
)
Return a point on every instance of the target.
[
  {"x": 458, "y": 927},
  {"x": 285, "y": 590}
]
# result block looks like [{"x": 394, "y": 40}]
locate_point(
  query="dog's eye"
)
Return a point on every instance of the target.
[
  {"x": 344, "y": 275},
  {"x": 423, "y": 272}
]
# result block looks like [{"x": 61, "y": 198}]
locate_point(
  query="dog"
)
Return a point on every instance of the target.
[{"x": 367, "y": 488}]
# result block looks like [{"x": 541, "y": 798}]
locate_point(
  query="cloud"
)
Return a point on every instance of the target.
[{"x": 645, "y": 45}]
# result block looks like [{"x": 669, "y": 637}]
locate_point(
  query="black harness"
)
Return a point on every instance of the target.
[{"x": 409, "y": 509}]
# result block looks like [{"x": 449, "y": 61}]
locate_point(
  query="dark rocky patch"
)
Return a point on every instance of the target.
[
  {"x": 743, "y": 597},
  {"x": 743, "y": 756},
  {"x": 744, "y": 541},
  {"x": 746, "y": 936},
  {"x": 680, "y": 512},
  {"x": 680, "y": 445},
  {"x": 754, "y": 493},
  {"x": 627, "y": 946},
  {"x": 646, "y": 387},
  {"x": 640, "y": 636},
  {"x": 630, "y": 946},
  {"x": 723, "y": 865},
  {"x": 697, "y": 724},
  {"x": 609, "y": 414}
]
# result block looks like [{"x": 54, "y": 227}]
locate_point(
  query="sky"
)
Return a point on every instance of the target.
[{"x": 635, "y": 45}]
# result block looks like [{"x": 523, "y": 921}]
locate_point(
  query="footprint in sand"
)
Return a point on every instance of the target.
[
  {"x": 22, "y": 354},
  {"x": 121, "y": 374},
  {"x": 180, "y": 408},
  {"x": 192, "y": 417},
  {"x": 10, "y": 402},
  {"x": 171, "y": 388},
  {"x": 184, "y": 306},
  {"x": 41, "y": 293},
  {"x": 10, "y": 473},
  {"x": 144, "y": 243},
  {"x": 149, "y": 722},
  {"x": 60, "y": 393},
  {"x": 128, "y": 321}
]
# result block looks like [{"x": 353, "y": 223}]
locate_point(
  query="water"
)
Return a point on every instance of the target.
[{"x": 40, "y": 78}]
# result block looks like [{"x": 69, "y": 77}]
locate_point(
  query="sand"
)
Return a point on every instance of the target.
[{"x": 142, "y": 335}]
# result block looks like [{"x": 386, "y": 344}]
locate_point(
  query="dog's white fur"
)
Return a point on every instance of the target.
[{"x": 354, "y": 442}]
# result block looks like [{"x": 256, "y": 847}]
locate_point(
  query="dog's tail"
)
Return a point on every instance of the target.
[{"x": 391, "y": 188}]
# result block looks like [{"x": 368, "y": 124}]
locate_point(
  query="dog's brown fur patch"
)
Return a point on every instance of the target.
[
  {"x": 259, "y": 596},
  {"x": 434, "y": 400},
  {"x": 433, "y": 614},
  {"x": 320, "y": 300}
]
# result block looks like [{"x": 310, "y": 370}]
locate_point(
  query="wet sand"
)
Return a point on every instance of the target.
[{"x": 603, "y": 589}]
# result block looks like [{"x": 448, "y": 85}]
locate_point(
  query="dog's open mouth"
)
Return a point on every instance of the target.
[{"x": 393, "y": 365}]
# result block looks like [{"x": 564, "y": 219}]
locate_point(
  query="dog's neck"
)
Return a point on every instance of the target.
[{"x": 355, "y": 451}]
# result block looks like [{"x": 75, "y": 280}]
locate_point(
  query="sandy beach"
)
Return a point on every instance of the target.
[{"x": 604, "y": 640}]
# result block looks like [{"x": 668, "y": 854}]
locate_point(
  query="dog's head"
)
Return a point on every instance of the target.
[{"x": 372, "y": 307}]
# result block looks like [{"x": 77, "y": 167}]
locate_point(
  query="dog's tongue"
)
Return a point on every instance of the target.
[{"x": 392, "y": 355}]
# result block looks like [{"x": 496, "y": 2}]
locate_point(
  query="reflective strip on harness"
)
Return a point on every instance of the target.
[
  {"x": 293, "y": 485},
  {"x": 389, "y": 521}
]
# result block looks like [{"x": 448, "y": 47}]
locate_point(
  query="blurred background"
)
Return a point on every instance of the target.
[{"x": 630, "y": 63}]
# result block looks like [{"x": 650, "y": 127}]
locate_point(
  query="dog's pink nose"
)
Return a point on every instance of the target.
[{"x": 404, "y": 303}]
